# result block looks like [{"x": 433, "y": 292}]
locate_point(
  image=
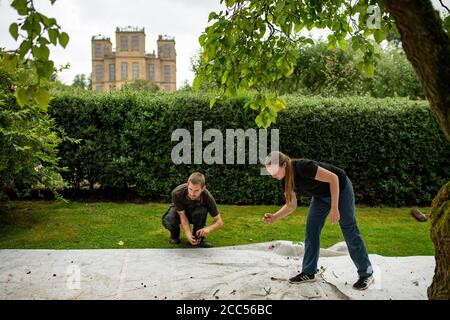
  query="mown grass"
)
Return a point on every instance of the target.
[{"x": 76, "y": 225}]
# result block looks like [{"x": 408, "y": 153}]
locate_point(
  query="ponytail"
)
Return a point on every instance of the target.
[{"x": 289, "y": 180}]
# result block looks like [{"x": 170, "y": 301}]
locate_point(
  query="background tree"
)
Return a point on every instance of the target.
[
  {"x": 80, "y": 81},
  {"x": 28, "y": 143},
  {"x": 27, "y": 135},
  {"x": 337, "y": 72},
  {"x": 252, "y": 44},
  {"x": 141, "y": 86},
  {"x": 185, "y": 86}
]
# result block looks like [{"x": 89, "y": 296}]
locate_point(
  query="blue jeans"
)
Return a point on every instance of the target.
[{"x": 318, "y": 212}]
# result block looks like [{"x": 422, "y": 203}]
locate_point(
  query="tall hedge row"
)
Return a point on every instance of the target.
[{"x": 392, "y": 149}]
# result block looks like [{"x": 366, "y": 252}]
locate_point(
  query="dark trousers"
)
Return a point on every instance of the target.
[
  {"x": 318, "y": 212},
  {"x": 171, "y": 220}
]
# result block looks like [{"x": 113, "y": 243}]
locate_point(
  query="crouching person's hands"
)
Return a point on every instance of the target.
[
  {"x": 192, "y": 240},
  {"x": 202, "y": 232}
]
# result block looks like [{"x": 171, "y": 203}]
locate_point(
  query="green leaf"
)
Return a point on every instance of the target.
[
  {"x": 212, "y": 15},
  {"x": 25, "y": 46},
  {"x": 42, "y": 97},
  {"x": 22, "y": 96},
  {"x": 63, "y": 39},
  {"x": 36, "y": 27},
  {"x": 280, "y": 62},
  {"x": 20, "y": 6},
  {"x": 253, "y": 106},
  {"x": 299, "y": 27},
  {"x": 225, "y": 77},
  {"x": 230, "y": 3},
  {"x": 380, "y": 35},
  {"x": 196, "y": 84},
  {"x": 212, "y": 102},
  {"x": 310, "y": 26},
  {"x": 279, "y": 104},
  {"x": 447, "y": 23},
  {"x": 356, "y": 44},
  {"x": 41, "y": 53},
  {"x": 369, "y": 70},
  {"x": 331, "y": 41},
  {"x": 27, "y": 26},
  {"x": 259, "y": 120},
  {"x": 10, "y": 62},
  {"x": 48, "y": 22},
  {"x": 309, "y": 41},
  {"x": 53, "y": 36},
  {"x": 45, "y": 68},
  {"x": 14, "y": 30},
  {"x": 202, "y": 39},
  {"x": 342, "y": 43},
  {"x": 43, "y": 41},
  {"x": 290, "y": 69}
]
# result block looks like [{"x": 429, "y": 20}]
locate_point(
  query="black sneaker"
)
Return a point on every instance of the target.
[
  {"x": 302, "y": 278},
  {"x": 174, "y": 241},
  {"x": 363, "y": 283},
  {"x": 205, "y": 244}
]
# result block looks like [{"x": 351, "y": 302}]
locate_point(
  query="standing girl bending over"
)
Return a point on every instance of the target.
[{"x": 332, "y": 193}]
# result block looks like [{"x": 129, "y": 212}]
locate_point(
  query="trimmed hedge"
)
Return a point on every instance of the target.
[{"x": 392, "y": 149}]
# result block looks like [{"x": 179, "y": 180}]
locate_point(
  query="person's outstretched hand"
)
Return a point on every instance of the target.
[
  {"x": 334, "y": 215},
  {"x": 269, "y": 218}
]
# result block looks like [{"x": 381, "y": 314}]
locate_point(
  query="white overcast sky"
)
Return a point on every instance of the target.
[{"x": 81, "y": 19}]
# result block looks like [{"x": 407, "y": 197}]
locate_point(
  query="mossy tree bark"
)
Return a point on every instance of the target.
[{"x": 440, "y": 234}]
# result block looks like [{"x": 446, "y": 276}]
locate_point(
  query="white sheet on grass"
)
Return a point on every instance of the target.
[{"x": 258, "y": 271}]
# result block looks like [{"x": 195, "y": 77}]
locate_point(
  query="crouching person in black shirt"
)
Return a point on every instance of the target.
[{"x": 191, "y": 203}]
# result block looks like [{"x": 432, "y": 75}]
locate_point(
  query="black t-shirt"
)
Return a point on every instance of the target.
[
  {"x": 305, "y": 171},
  {"x": 182, "y": 202}
]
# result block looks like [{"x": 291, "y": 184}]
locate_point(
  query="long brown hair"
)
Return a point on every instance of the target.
[{"x": 281, "y": 159}]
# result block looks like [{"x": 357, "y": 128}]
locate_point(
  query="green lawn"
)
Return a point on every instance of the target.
[{"x": 74, "y": 225}]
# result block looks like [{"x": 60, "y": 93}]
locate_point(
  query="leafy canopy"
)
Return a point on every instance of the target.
[
  {"x": 253, "y": 44},
  {"x": 31, "y": 60}
]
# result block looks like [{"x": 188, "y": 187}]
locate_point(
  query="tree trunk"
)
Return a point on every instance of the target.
[
  {"x": 427, "y": 47},
  {"x": 440, "y": 234}
]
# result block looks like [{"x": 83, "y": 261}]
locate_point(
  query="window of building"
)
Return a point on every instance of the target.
[
  {"x": 135, "y": 70},
  {"x": 167, "y": 73},
  {"x": 151, "y": 72},
  {"x": 123, "y": 43},
  {"x": 112, "y": 72},
  {"x": 135, "y": 43},
  {"x": 124, "y": 71},
  {"x": 99, "y": 88},
  {"x": 166, "y": 51},
  {"x": 99, "y": 72},
  {"x": 98, "y": 50}
]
